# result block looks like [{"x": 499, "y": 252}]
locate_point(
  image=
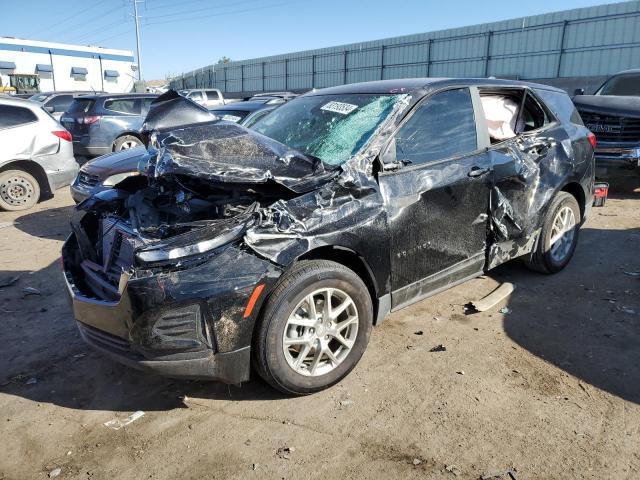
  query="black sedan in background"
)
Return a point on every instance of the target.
[{"x": 244, "y": 113}]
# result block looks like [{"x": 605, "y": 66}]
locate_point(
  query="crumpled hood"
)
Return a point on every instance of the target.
[
  {"x": 227, "y": 152},
  {"x": 117, "y": 162},
  {"x": 609, "y": 104}
]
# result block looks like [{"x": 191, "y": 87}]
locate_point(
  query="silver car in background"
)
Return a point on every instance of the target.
[{"x": 36, "y": 154}]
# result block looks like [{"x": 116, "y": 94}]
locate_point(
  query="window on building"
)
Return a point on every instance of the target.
[{"x": 79, "y": 74}]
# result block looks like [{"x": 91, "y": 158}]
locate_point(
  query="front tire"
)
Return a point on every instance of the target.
[
  {"x": 126, "y": 142},
  {"x": 19, "y": 190},
  {"x": 314, "y": 329},
  {"x": 559, "y": 235}
]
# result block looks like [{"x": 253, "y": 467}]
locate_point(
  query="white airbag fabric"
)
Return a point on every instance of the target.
[{"x": 501, "y": 115}]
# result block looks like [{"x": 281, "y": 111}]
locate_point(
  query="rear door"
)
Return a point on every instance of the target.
[
  {"x": 526, "y": 168},
  {"x": 437, "y": 202}
]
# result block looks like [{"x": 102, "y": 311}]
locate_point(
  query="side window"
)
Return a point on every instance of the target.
[
  {"x": 561, "y": 106},
  {"x": 533, "y": 116},
  {"x": 507, "y": 116},
  {"x": 60, "y": 103},
  {"x": 195, "y": 96},
  {"x": 124, "y": 105},
  {"x": 12, "y": 116},
  {"x": 213, "y": 95},
  {"x": 443, "y": 127}
]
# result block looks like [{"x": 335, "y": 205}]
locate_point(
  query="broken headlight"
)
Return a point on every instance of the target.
[
  {"x": 186, "y": 245},
  {"x": 115, "y": 179}
]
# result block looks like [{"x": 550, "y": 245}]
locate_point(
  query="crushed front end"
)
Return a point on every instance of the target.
[
  {"x": 173, "y": 304},
  {"x": 157, "y": 268}
]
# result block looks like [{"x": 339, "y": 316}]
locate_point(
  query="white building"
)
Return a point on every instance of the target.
[{"x": 62, "y": 66}]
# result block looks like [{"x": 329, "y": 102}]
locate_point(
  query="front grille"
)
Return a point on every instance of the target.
[
  {"x": 116, "y": 250},
  {"x": 88, "y": 180},
  {"x": 609, "y": 128}
]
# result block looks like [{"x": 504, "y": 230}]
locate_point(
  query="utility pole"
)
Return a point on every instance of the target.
[{"x": 136, "y": 18}]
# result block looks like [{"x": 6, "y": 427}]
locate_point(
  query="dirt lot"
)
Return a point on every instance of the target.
[{"x": 549, "y": 390}]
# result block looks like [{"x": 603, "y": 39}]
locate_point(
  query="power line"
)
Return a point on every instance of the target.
[
  {"x": 85, "y": 22},
  {"x": 127, "y": 31},
  {"x": 102, "y": 30},
  {"x": 246, "y": 10},
  {"x": 216, "y": 7}
]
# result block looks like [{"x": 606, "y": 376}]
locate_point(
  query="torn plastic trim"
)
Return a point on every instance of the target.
[
  {"x": 172, "y": 110},
  {"x": 195, "y": 242}
]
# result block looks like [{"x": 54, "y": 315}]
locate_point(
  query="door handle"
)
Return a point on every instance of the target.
[{"x": 476, "y": 172}]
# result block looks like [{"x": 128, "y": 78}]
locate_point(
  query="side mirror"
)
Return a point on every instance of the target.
[
  {"x": 50, "y": 109},
  {"x": 578, "y": 91}
]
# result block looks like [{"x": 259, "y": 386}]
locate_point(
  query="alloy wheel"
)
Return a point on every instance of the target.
[
  {"x": 320, "y": 332},
  {"x": 562, "y": 234}
]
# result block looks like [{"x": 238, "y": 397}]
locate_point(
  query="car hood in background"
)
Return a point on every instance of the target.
[
  {"x": 114, "y": 163},
  {"x": 609, "y": 104}
]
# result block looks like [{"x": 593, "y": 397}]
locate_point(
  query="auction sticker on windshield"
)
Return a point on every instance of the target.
[{"x": 339, "y": 107}]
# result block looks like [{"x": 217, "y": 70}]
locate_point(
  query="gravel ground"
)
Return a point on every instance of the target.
[{"x": 549, "y": 389}]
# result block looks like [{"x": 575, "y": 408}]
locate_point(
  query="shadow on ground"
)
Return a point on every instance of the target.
[
  {"x": 52, "y": 223},
  {"x": 585, "y": 319}
]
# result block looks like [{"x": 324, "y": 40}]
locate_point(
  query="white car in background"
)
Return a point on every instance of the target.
[
  {"x": 207, "y": 97},
  {"x": 36, "y": 154}
]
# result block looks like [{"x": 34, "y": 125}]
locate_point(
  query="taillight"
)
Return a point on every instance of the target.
[
  {"x": 63, "y": 134},
  {"x": 90, "y": 119},
  {"x": 592, "y": 140}
]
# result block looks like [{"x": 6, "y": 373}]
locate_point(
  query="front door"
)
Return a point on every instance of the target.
[{"x": 437, "y": 203}]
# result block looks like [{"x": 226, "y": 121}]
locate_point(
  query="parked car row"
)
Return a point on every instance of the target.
[{"x": 101, "y": 123}]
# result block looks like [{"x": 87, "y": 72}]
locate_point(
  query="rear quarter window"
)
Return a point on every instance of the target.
[
  {"x": 561, "y": 106},
  {"x": 12, "y": 116},
  {"x": 129, "y": 106},
  {"x": 81, "y": 105}
]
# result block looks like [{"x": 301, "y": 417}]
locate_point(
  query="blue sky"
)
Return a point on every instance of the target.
[{"x": 179, "y": 35}]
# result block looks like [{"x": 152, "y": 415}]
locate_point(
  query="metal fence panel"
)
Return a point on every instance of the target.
[{"x": 592, "y": 41}]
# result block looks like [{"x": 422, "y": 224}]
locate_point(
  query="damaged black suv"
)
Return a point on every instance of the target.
[{"x": 282, "y": 245}]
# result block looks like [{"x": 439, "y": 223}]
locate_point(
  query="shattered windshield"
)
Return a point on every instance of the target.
[{"x": 330, "y": 127}]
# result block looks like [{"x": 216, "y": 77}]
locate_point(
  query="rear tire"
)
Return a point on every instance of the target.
[
  {"x": 322, "y": 345},
  {"x": 19, "y": 190},
  {"x": 559, "y": 235},
  {"x": 126, "y": 142}
]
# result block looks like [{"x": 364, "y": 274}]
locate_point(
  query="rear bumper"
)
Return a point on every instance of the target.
[{"x": 79, "y": 149}]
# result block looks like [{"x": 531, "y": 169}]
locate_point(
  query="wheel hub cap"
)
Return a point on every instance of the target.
[
  {"x": 320, "y": 332},
  {"x": 16, "y": 190}
]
